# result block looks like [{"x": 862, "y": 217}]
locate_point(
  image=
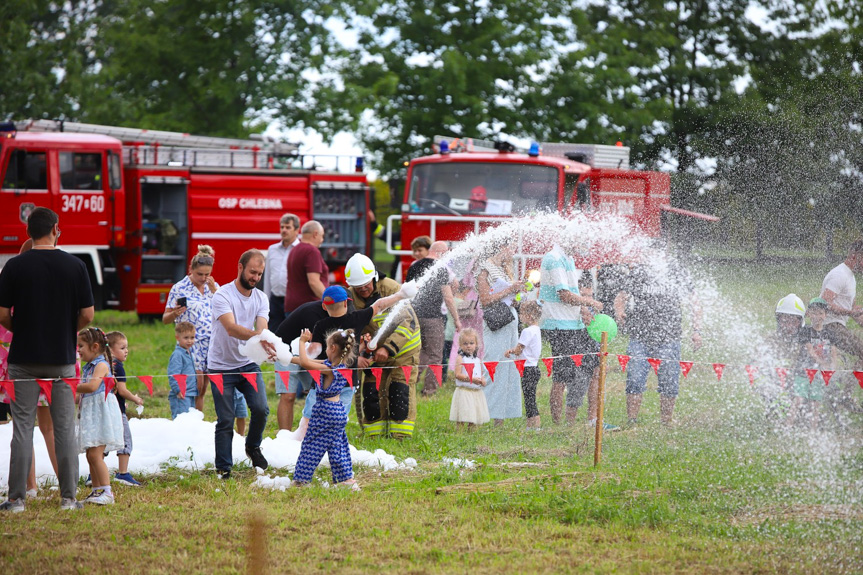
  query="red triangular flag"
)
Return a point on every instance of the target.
[
  {"x": 9, "y": 386},
  {"x": 811, "y": 373},
  {"x": 685, "y": 366},
  {"x": 857, "y": 374},
  {"x": 407, "y": 369},
  {"x": 491, "y": 366},
  {"x": 348, "y": 374},
  {"x": 549, "y": 362},
  {"x": 148, "y": 381},
  {"x": 73, "y": 383},
  {"x": 252, "y": 378},
  {"x": 827, "y": 374},
  {"x": 519, "y": 365},
  {"x": 216, "y": 378},
  {"x": 576, "y": 358},
  {"x": 622, "y": 360},
  {"x": 46, "y": 385},
  {"x": 468, "y": 367},
  {"x": 316, "y": 375},
  {"x": 437, "y": 370},
  {"x": 286, "y": 376},
  {"x": 751, "y": 370},
  {"x": 783, "y": 375},
  {"x": 718, "y": 367},
  {"x": 110, "y": 383},
  {"x": 181, "y": 382},
  {"x": 654, "y": 363},
  {"x": 378, "y": 372}
]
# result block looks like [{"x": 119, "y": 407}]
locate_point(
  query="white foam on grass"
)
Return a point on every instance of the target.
[{"x": 185, "y": 443}]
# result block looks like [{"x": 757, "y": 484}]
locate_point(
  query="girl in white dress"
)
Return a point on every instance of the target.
[
  {"x": 468, "y": 401},
  {"x": 101, "y": 425}
]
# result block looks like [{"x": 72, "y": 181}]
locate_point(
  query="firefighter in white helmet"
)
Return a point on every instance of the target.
[
  {"x": 777, "y": 357},
  {"x": 391, "y": 407}
]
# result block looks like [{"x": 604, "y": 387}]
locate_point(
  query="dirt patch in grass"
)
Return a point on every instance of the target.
[{"x": 800, "y": 513}]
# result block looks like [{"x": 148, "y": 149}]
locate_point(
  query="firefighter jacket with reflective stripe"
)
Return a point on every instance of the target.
[{"x": 404, "y": 342}]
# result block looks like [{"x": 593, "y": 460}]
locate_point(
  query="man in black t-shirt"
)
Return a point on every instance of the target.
[
  {"x": 52, "y": 300},
  {"x": 649, "y": 308},
  {"x": 428, "y": 305}
]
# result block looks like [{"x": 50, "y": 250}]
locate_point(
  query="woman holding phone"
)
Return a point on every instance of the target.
[{"x": 189, "y": 300}]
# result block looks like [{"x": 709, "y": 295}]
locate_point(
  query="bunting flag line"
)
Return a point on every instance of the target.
[
  {"x": 73, "y": 383},
  {"x": 181, "y": 382},
  {"x": 147, "y": 380},
  {"x": 217, "y": 379},
  {"x": 783, "y": 376},
  {"x": 685, "y": 367},
  {"x": 378, "y": 373},
  {"x": 718, "y": 367},
  {"x": 407, "y": 369},
  {"x": 622, "y": 360},
  {"x": 491, "y": 366},
  {"x": 751, "y": 370},
  {"x": 9, "y": 387},
  {"x": 468, "y": 367},
  {"x": 576, "y": 358},
  {"x": 654, "y": 363},
  {"x": 110, "y": 383},
  {"x": 437, "y": 370},
  {"x": 549, "y": 363},
  {"x": 46, "y": 385},
  {"x": 857, "y": 374},
  {"x": 348, "y": 374},
  {"x": 316, "y": 375},
  {"x": 252, "y": 378},
  {"x": 286, "y": 376},
  {"x": 827, "y": 374},
  {"x": 811, "y": 374},
  {"x": 519, "y": 365}
]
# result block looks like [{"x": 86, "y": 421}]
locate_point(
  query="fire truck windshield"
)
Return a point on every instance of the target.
[{"x": 489, "y": 188}]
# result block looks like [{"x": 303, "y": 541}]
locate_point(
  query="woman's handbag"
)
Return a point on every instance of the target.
[{"x": 497, "y": 315}]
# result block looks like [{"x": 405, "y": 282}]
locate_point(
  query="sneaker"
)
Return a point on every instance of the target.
[
  {"x": 126, "y": 479},
  {"x": 631, "y": 422},
  {"x": 258, "y": 459},
  {"x": 351, "y": 485},
  {"x": 13, "y": 505},
  {"x": 88, "y": 482},
  {"x": 608, "y": 427},
  {"x": 32, "y": 493},
  {"x": 224, "y": 474},
  {"x": 100, "y": 497},
  {"x": 67, "y": 504}
]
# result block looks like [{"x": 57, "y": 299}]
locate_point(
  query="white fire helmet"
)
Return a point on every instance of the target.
[
  {"x": 791, "y": 305},
  {"x": 360, "y": 270}
]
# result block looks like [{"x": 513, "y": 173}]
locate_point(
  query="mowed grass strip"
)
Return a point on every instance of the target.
[{"x": 721, "y": 492}]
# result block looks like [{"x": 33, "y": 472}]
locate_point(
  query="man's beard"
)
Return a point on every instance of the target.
[{"x": 245, "y": 283}]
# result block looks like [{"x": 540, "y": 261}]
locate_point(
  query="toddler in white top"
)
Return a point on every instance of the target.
[
  {"x": 469, "y": 405},
  {"x": 529, "y": 348}
]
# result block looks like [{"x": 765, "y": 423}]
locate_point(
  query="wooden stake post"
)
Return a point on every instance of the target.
[{"x": 600, "y": 400}]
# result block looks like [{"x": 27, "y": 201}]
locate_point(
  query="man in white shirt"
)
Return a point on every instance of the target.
[
  {"x": 839, "y": 290},
  {"x": 241, "y": 312},
  {"x": 276, "y": 277}
]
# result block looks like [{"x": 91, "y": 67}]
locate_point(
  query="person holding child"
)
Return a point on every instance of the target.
[
  {"x": 182, "y": 397},
  {"x": 326, "y": 433},
  {"x": 816, "y": 352},
  {"x": 100, "y": 427},
  {"x": 469, "y": 405},
  {"x": 529, "y": 348},
  {"x": 119, "y": 348}
]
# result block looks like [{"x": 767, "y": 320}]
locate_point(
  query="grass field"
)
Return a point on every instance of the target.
[{"x": 720, "y": 492}]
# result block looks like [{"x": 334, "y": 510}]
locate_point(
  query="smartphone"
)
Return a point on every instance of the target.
[{"x": 181, "y": 301}]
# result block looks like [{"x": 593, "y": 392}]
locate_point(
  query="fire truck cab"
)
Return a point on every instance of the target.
[{"x": 135, "y": 204}]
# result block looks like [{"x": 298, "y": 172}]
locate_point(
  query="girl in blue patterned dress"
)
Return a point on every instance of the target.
[
  {"x": 326, "y": 433},
  {"x": 100, "y": 428}
]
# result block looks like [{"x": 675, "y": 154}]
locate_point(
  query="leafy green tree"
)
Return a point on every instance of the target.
[{"x": 422, "y": 68}]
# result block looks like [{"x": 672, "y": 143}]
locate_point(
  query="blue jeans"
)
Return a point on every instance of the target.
[
  {"x": 234, "y": 383},
  {"x": 178, "y": 405},
  {"x": 638, "y": 368},
  {"x": 346, "y": 397}
]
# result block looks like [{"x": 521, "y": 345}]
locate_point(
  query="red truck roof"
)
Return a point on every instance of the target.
[{"x": 571, "y": 167}]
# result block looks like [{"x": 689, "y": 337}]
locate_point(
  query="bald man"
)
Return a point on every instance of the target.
[{"x": 308, "y": 274}]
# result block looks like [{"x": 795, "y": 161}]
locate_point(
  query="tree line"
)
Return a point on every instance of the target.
[{"x": 755, "y": 106}]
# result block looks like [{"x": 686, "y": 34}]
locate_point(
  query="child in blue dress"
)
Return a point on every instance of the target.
[
  {"x": 326, "y": 433},
  {"x": 101, "y": 425}
]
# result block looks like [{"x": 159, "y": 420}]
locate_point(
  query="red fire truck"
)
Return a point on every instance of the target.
[
  {"x": 470, "y": 185},
  {"x": 135, "y": 204}
]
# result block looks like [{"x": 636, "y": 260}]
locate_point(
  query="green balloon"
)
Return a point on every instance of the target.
[{"x": 601, "y": 323}]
